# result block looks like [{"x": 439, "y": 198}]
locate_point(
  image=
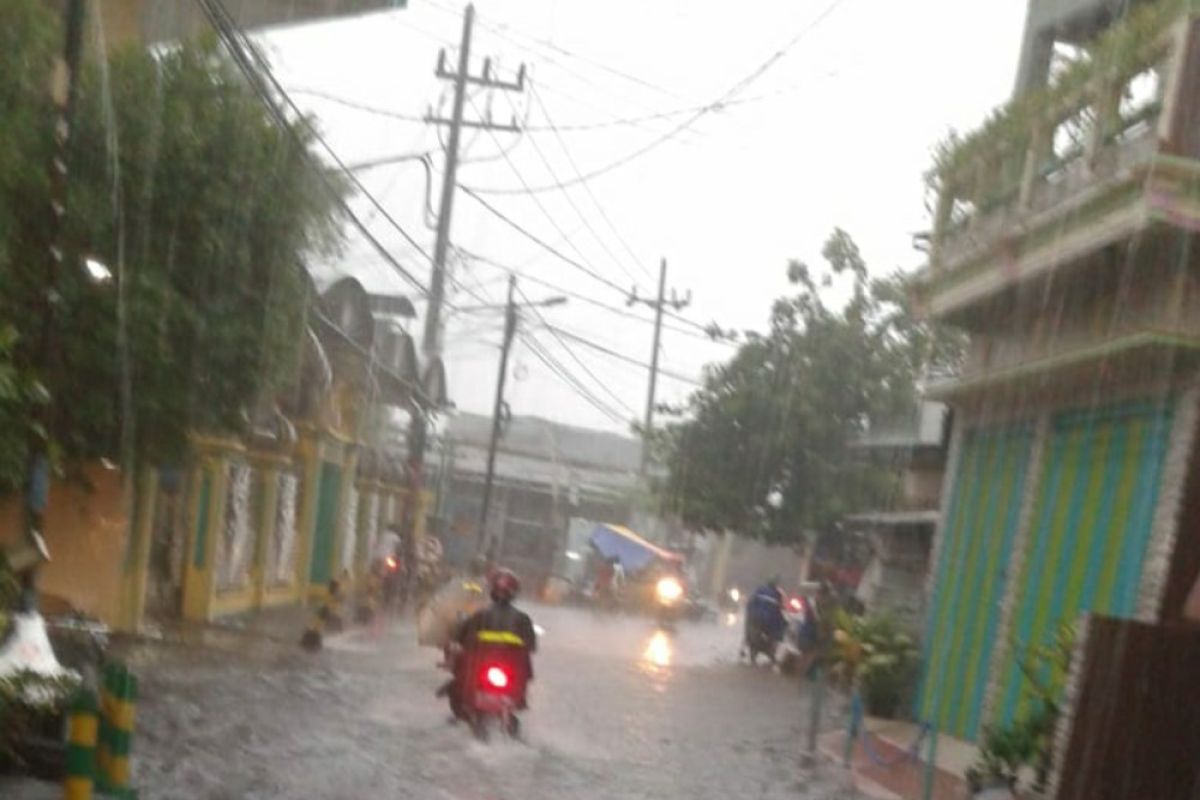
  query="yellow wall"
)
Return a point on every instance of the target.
[{"x": 85, "y": 533}]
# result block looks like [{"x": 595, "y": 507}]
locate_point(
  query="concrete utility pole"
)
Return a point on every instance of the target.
[
  {"x": 510, "y": 330},
  {"x": 431, "y": 340},
  {"x": 658, "y": 305},
  {"x": 499, "y": 415}
]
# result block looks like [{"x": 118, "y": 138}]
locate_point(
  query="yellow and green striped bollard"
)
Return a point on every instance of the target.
[
  {"x": 117, "y": 704},
  {"x": 82, "y": 725}
]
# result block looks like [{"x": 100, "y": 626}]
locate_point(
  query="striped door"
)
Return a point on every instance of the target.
[
  {"x": 1091, "y": 525},
  {"x": 325, "y": 532},
  {"x": 977, "y": 538}
]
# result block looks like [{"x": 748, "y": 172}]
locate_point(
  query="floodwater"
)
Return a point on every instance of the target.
[{"x": 619, "y": 710}]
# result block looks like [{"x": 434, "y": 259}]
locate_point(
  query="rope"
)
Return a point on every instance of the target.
[{"x": 908, "y": 754}]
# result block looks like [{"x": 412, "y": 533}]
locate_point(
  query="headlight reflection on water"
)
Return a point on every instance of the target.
[{"x": 658, "y": 650}]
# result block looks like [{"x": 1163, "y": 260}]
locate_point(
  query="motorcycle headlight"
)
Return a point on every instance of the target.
[{"x": 669, "y": 590}]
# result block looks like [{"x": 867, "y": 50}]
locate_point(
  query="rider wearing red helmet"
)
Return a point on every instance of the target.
[{"x": 501, "y": 621}]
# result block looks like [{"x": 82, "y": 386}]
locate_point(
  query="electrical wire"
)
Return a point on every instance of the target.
[
  {"x": 254, "y": 68},
  {"x": 575, "y": 356},
  {"x": 586, "y": 186},
  {"x": 506, "y": 32},
  {"x": 570, "y": 200},
  {"x": 547, "y": 358},
  {"x": 682, "y": 127},
  {"x": 557, "y": 331},
  {"x": 621, "y": 312}
]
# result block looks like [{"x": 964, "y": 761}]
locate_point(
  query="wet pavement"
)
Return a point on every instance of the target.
[{"x": 618, "y": 711}]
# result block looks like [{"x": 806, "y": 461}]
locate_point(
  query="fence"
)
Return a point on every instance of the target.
[{"x": 1135, "y": 729}]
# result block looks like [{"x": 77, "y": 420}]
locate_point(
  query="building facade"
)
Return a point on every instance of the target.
[
  {"x": 1063, "y": 244},
  {"x": 547, "y": 475}
]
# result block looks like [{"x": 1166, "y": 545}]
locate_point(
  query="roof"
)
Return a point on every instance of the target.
[
  {"x": 545, "y": 440},
  {"x": 894, "y": 518},
  {"x": 1158, "y": 351},
  {"x": 542, "y": 470}
]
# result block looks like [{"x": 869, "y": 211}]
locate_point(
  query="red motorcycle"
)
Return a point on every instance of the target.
[{"x": 489, "y": 688}]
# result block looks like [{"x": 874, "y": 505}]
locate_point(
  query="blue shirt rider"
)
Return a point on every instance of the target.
[{"x": 764, "y": 610}]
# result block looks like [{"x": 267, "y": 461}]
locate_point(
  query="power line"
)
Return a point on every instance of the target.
[
  {"x": 621, "y": 312},
  {"x": 506, "y": 32},
  {"x": 719, "y": 103},
  {"x": 618, "y": 355},
  {"x": 359, "y": 106},
  {"x": 574, "y": 166},
  {"x": 254, "y": 68},
  {"x": 539, "y": 242},
  {"x": 575, "y": 357},
  {"x": 570, "y": 200},
  {"x": 563, "y": 374}
]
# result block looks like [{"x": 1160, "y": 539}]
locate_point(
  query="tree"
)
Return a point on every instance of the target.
[
  {"x": 763, "y": 448},
  {"x": 204, "y": 209}
]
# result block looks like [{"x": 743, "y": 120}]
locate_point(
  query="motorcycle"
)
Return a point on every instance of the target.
[
  {"x": 488, "y": 692},
  {"x": 669, "y": 601}
]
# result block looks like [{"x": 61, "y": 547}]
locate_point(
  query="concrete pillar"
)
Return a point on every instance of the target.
[
  {"x": 269, "y": 475},
  {"x": 136, "y": 564},
  {"x": 206, "y": 514}
]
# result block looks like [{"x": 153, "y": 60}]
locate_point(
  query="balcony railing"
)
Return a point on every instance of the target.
[{"x": 1099, "y": 118}]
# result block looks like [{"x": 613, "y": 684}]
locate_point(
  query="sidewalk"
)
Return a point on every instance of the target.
[{"x": 882, "y": 772}]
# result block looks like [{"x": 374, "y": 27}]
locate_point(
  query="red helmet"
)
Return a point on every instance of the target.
[{"x": 505, "y": 585}]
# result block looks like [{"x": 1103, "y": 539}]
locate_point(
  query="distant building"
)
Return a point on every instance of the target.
[
  {"x": 900, "y": 535},
  {"x": 548, "y": 475}
]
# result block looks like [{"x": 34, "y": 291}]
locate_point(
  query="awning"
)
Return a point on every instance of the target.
[{"x": 634, "y": 552}]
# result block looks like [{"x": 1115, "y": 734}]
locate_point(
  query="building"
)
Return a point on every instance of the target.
[
  {"x": 914, "y": 448},
  {"x": 548, "y": 476},
  {"x": 1064, "y": 243},
  {"x": 150, "y": 21}
]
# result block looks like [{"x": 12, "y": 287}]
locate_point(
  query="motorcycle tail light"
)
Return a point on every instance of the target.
[
  {"x": 796, "y": 604},
  {"x": 496, "y": 678}
]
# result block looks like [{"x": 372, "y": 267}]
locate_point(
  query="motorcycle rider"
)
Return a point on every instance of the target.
[
  {"x": 764, "y": 613},
  {"x": 482, "y": 629}
]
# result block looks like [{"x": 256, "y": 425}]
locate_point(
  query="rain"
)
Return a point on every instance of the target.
[{"x": 541, "y": 399}]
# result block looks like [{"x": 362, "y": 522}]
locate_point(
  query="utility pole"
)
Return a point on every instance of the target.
[
  {"x": 658, "y": 305},
  {"x": 64, "y": 90},
  {"x": 510, "y": 330},
  {"x": 431, "y": 340}
]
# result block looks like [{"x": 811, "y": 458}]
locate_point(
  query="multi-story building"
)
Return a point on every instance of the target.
[{"x": 1065, "y": 244}]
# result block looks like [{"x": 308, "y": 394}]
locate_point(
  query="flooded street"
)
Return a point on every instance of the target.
[{"x": 617, "y": 711}]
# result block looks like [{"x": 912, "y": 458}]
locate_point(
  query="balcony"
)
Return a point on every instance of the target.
[{"x": 1106, "y": 151}]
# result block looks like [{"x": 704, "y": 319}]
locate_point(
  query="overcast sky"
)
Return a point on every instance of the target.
[{"x": 837, "y": 131}]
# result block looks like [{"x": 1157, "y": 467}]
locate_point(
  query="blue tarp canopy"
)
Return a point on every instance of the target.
[{"x": 631, "y": 550}]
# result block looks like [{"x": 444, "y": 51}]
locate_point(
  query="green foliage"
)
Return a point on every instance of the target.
[
  {"x": 763, "y": 449},
  {"x": 876, "y": 656},
  {"x": 203, "y": 208},
  {"x": 1028, "y": 743},
  {"x": 990, "y": 158}
]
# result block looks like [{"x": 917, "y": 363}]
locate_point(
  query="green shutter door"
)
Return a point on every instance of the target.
[
  {"x": 1090, "y": 527},
  {"x": 977, "y": 540},
  {"x": 326, "y": 528}
]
